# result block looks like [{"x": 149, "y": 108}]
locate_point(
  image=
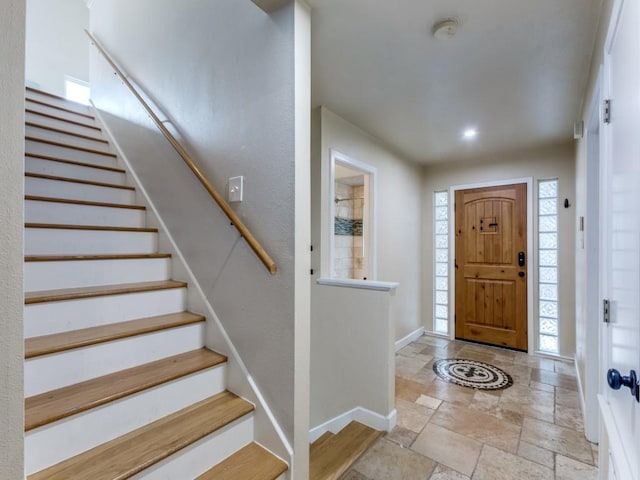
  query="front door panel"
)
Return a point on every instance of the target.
[{"x": 491, "y": 285}]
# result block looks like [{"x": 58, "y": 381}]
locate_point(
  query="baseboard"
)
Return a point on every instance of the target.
[
  {"x": 358, "y": 414},
  {"x": 581, "y": 392},
  {"x": 412, "y": 337}
]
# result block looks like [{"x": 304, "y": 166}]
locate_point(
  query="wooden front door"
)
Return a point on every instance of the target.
[{"x": 491, "y": 265}]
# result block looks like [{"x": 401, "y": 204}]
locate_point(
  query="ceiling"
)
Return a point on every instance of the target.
[{"x": 516, "y": 70}]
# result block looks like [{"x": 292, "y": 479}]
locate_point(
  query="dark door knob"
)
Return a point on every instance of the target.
[
  {"x": 521, "y": 274},
  {"x": 616, "y": 381}
]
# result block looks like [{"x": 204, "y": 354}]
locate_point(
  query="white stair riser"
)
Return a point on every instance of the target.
[
  {"x": 70, "y": 214},
  {"x": 67, "y": 139},
  {"x": 87, "y": 273},
  {"x": 42, "y": 187},
  {"x": 66, "y": 153},
  {"x": 99, "y": 425},
  {"x": 62, "y": 125},
  {"x": 49, "y": 372},
  {"x": 76, "y": 107},
  {"x": 59, "y": 113},
  {"x": 50, "y": 241},
  {"x": 55, "y": 317},
  {"x": 199, "y": 457},
  {"x": 59, "y": 169}
]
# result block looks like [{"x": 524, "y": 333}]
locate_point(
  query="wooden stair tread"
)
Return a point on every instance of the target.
[
  {"x": 42, "y": 296},
  {"x": 60, "y": 342},
  {"x": 128, "y": 455},
  {"x": 58, "y": 107},
  {"x": 65, "y": 132},
  {"x": 249, "y": 463},
  {"x": 73, "y": 162},
  {"x": 72, "y": 147},
  {"x": 61, "y": 119},
  {"x": 64, "y": 402},
  {"x": 83, "y": 202},
  {"x": 336, "y": 455},
  {"x": 324, "y": 438},
  {"x": 78, "y": 180},
  {"x": 71, "y": 258},
  {"x": 60, "y": 226}
]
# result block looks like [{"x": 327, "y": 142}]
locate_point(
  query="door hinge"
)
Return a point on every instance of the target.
[
  {"x": 606, "y": 310},
  {"x": 606, "y": 111}
]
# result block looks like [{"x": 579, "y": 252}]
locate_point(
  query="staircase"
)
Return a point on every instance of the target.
[{"x": 118, "y": 382}]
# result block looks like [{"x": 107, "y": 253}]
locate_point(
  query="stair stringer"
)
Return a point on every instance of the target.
[{"x": 267, "y": 431}]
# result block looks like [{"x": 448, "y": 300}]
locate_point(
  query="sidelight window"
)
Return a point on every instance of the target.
[
  {"x": 441, "y": 262},
  {"x": 548, "y": 265}
]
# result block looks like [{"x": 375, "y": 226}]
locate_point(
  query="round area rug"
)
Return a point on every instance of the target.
[{"x": 472, "y": 374}]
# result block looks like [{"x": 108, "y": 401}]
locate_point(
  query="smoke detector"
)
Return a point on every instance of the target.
[{"x": 445, "y": 29}]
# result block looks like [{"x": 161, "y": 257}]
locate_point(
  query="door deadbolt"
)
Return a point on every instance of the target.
[{"x": 521, "y": 259}]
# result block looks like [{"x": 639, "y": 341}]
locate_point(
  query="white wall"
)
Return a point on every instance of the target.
[
  {"x": 224, "y": 72},
  {"x": 12, "y": 28},
  {"x": 352, "y": 352},
  {"x": 56, "y": 44},
  {"x": 539, "y": 164},
  {"x": 398, "y": 203}
]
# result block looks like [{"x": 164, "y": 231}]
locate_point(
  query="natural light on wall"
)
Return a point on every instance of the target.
[
  {"x": 441, "y": 262},
  {"x": 76, "y": 90},
  {"x": 548, "y": 265}
]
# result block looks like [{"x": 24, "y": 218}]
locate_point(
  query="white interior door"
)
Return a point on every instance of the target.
[{"x": 621, "y": 236}]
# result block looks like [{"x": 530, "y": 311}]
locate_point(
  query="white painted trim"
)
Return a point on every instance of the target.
[
  {"x": 370, "y": 227},
  {"x": 616, "y": 448},
  {"x": 583, "y": 405},
  {"x": 193, "y": 283},
  {"x": 361, "y": 284},
  {"x": 358, "y": 414},
  {"x": 553, "y": 356},
  {"x": 427, "y": 333},
  {"x": 533, "y": 277},
  {"x": 412, "y": 337}
]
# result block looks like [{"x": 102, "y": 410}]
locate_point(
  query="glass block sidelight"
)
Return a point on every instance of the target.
[
  {"x": 548, "y": 313},
  {"x": 441, "y": 262}
]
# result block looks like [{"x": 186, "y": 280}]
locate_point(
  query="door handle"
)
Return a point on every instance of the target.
[{"x": 617, "y": 381}]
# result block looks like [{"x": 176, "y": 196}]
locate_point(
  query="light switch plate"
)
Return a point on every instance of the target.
[{"x": 235, "y": 189}]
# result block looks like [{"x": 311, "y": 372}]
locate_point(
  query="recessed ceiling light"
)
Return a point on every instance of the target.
[{"x": 469, "y": 133}]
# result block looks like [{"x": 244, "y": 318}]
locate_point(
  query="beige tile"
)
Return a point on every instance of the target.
[
  {"x": 570, "y": 417},
  {"x": 489, "y": 403},
  {"x": 542, "y": 386},
  {"x": 412, "y": 416},
  {"x": 472, "y": 353},
  {"x": 425, "y": 375},
  {"x": 534, "y": 362},
  {"x": 479, "y": 426},
  {"x": 401, "y": 436},
  {"x": 408, "y": 366},
  {"x": 353, "y": 475},
  {"x": 386, "y": 460},
  {"x": 442, "y": 351},
  {"x": 428, "y": 401},
  {"x": 519, "y": 373},
  {"x": 557, "y": 439},
  {"x": 410, "y": 350},
  {"x": 436, "y": 341},
  {"x": 449, "y": 392},
  {"x": 570, "y": 469},
  {"x": 494, "y": 464},
  {"x": 565, "y": 368},
  {"x": 528, "y": 402},
  {"x": 556, "y": 379},
  {"x": 409, "y": 390},
  {"x": 449, "y": 448},
  {"x": 445, "y": 473},
  {"x": 568, "y": 398},
  {"x": 537, "y": 454}
]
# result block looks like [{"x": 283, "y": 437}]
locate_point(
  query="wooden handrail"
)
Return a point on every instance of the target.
[{"x": 233, "y": 217}]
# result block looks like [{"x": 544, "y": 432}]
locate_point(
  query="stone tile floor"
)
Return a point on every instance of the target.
[{"x": 530, "y": 431}]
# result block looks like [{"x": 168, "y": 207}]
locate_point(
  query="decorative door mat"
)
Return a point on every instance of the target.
[{"x": 472, "y": 374}]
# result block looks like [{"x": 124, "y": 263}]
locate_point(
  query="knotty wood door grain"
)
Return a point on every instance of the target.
[{"x": 491, "y": 288}]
